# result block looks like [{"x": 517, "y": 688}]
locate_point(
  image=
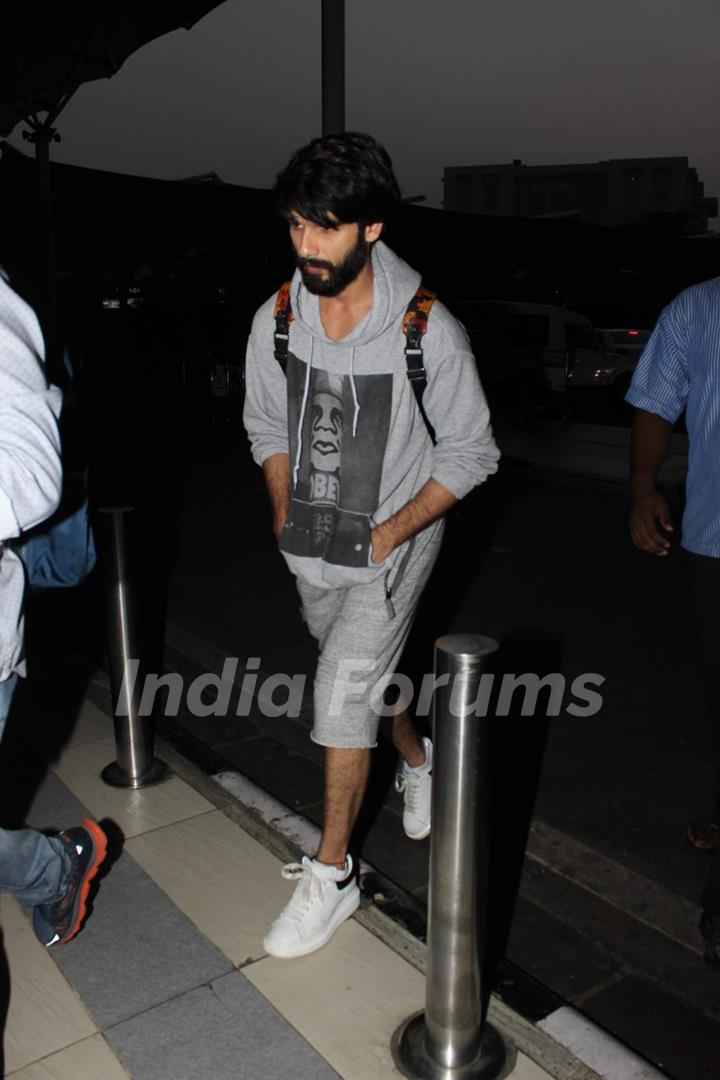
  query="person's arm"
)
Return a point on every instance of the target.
[
  {"x": 276, "y": 470},
  {"x": 465, "y": 453},
  {"x": 265, "y": 410},
  {"x": 30, "y": 469},
  {"x": 651, "y": 436},
  {"x": 659, "y": 392},
  {"x": 265, "y": 416},
  {"x": 431, "y": 502}
]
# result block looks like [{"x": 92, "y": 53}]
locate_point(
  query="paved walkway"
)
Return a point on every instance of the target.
[{"x": 168, "y": 980}]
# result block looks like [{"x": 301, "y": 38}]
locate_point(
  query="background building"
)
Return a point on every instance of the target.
[{"x": 660, "y": 193}]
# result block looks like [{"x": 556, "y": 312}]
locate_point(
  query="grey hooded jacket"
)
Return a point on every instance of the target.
[{"x": 346, "y": 414}]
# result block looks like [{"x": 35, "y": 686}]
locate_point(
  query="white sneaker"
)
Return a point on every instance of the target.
[
  {"x": 324, "y": 898},
  {"x": 416, "y": 787}
]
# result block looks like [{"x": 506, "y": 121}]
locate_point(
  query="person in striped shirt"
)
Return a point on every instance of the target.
[{"x": 680, "y": 370}]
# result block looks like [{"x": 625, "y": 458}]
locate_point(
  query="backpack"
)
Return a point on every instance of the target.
[
  {"x": 60, "y": 552},
  {"x": 414, "y": 325}
]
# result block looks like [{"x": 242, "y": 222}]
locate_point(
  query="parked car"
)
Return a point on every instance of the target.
[
  {"x": 607, "y": 357},
  {"x": 523, "y": 348}
]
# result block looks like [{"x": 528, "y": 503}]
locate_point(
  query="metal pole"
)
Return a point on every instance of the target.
[
  {"x": 135, "y": 766},
  {"x": 449, "y": 1040},
  {"x": 333, "y": 66}
]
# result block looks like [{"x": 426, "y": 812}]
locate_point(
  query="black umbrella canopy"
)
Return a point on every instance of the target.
[
  {"x": 110, "y": 219},
  {"x": 48, "y": 48}
]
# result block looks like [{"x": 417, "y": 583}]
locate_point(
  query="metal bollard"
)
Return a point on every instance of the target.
[
  {"x": 135, "y": 766},
  {"x": 449, "y": 1040}
]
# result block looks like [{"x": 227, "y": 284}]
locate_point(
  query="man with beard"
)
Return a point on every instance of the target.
[{"x": 358, "y": 485}]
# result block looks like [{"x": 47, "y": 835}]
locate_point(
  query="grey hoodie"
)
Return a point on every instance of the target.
[{"x": 347, "y": 416}]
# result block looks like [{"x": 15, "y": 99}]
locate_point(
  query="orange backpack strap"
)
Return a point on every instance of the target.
[
  {"x": 414, "y": 326},
  {"x": 283, "y": 316}
]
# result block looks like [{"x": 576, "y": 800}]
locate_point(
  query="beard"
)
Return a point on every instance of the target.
[{"x": 339, "y": 275}]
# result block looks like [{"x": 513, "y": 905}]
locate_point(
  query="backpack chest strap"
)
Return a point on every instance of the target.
[
  {"x": 414, "y": 325},
  {"x": 282, "y": 313}
]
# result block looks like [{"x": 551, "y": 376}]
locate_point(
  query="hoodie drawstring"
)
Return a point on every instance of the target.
[{"x": 356, "y": 411}]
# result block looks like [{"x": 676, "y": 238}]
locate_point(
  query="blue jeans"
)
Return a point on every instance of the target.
[{"x": 33, "y": 866}]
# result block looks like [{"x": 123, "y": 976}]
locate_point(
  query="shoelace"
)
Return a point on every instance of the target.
[
  {"x": 63, "y": 907},
  {"x": 410, "y": 784},
  {"x": 310, "y": 889}
]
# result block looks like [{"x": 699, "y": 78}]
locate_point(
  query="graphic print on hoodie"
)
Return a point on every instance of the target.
[{"x": 339, "y": 472}]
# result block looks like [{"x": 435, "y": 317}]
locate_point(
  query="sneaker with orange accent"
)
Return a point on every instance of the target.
[{"x": 86, "y": 845}]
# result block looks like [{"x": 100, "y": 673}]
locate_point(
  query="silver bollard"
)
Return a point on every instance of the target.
[
  {"x": 449, "y": 1040},
  {"x": 135, "y": 766}
]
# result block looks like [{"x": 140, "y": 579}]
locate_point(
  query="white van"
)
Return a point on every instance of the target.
[
  {"x": 516, "y": 342},
  {"x": 607, "y": 357}
]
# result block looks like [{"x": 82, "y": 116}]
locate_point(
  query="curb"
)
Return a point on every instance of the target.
[{"x": 534, "y": 1020}]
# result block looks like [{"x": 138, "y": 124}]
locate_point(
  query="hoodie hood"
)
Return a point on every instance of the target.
[{"x": 394, "y": 285}]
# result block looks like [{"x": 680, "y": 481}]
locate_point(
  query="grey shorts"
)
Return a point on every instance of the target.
[{"x": 361, "y": 642}]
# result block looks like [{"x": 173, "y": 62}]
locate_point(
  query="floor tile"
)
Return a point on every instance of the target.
[
  {"x": 222, "y": 879},
  {"x": 91, "y": 1059},
  {"x": 54, "y": 806},
  {"x": 134, "y": 811},
  {"x": 226, "y": 1031},
  {"x": 366, "y": 989},
  {"x": 137, "y": 949},
  {"x": 44, "y": 1015},
  {"x": 91, "y": 724}
]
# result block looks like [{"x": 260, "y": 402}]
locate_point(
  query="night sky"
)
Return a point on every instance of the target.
[{"x": 451, "y": 83}]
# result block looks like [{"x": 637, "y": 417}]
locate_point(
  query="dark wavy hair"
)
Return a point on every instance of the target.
[{"x": 349, "y": 175}]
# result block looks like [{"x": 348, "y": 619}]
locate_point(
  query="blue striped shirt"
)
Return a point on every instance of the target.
[{"x": 680, "y": 369}]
